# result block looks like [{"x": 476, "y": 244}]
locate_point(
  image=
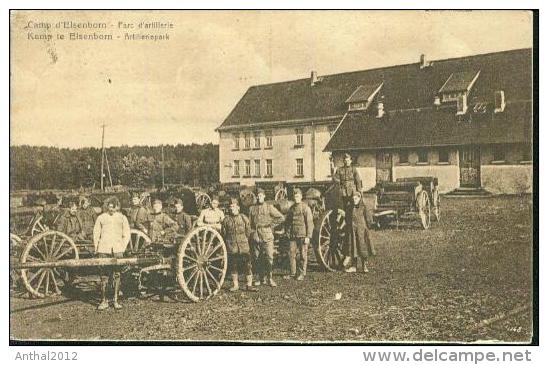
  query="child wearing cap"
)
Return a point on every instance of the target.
[
  {"x": 299, "y": 224},
  {"x": 358, "y": 244},
  {"x": 236, "y": 230}
]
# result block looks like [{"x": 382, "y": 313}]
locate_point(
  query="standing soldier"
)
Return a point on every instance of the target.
[
  {"x": 138, "y": 215},
  {"x": 348, "y": 179},
  {"x": 236, "y": 230},
  {"x": 183, "y": 220},
  {"x": 87, "y": 216},
  {"x": 212, "y": 216},
  {"x": 110, "y": 239},
  {"x": 264, "y": 217},
  {"x": 162, "y": 227},
  {"x": 299, "y": 224}
]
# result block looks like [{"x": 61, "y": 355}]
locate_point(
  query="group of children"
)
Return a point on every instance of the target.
[{"x": 249, "y": 240}]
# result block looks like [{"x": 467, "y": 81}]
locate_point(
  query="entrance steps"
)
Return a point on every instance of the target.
[{"x": 469, "y": 193}]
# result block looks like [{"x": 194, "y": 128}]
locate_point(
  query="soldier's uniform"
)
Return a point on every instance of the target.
[
  {"x": 184, "y": 221},
  {"x": 88, "y": 218},
  {"x": 263, "y": 218},
  {"x": 138, "y": 218},
  {"x": 349, "y": 181},
  {"x": 235, "y": 230},
  {"x": 299, "y": 225},
  {"x": 161, "y": 222},
  {"x": 71, "y": 225}
]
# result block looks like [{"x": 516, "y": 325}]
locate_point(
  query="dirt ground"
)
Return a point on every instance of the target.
[{"x": 436, "y": 285}]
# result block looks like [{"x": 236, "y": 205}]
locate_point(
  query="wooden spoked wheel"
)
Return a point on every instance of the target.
[
  {"x": 281, "y": 194},
  {"x": 423, "y": 206},
  {"x": 202, "y": 201},
  {"x": 139, "y": 240},
  {"x": 15, "y": 250},
  {"x": 201, "y": 263},
  {"x": 38, "y": 226},
  {"x": 47, "y": 247},
  {"x": 329, "y": 238},
  {"x": 436, "y": 204}
]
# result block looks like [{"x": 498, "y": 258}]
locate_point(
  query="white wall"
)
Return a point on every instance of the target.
[
  {"x": 507, "y": 179},
  {"x": 283, "y": 155}
]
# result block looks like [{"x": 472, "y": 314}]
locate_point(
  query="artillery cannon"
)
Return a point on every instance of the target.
[
  {"x": 197, "y": 262},
  {"x": 408, "y": 197}
]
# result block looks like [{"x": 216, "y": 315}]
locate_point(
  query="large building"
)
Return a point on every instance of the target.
[{"x": 467, "y": 121}]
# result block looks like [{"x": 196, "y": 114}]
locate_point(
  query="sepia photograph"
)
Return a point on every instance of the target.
[{"x": 273, "y": 176}]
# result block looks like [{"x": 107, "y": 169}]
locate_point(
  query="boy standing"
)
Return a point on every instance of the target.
[
  {"x": 236, "y": 230},
  {"x": 111, "y": 236},
  {"x": 300, "y": 226}
]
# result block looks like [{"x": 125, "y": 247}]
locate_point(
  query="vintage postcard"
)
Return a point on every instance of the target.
[{"x": 272, "y": 176}]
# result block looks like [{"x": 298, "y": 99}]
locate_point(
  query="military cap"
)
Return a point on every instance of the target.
[
  {"x": 157, "y": 201},
  {"x": 347, "y": 155},
  {"x": 357, "y": 193},
  {"x": 234, "y": 202},
  {"x": 135, "y": 195},
  {"x": 41, "y": 201},
  {"x": 260, "y": 191},
  {"x": 297, "y": 191},
  {"x": 178, "y": 201}
]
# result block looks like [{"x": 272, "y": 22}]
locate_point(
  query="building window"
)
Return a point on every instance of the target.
[
  {"x": 404, "y": 157},
  {"x": 526, "y": 153},
  {"x": 499, "y": 153},
  {"x": 357, "y": 106},
  {"x": 269, "y": 168},
  {"x": 443, "y": 155},
  {"x": 236, "y": 138},
  {"x": 247, "y": 138},
  {"x": 300, "y": 139},
  {"x": 257, "y": 168},
  {"x": 257, "y": 139},
  {"x": 300, "y": 169},
  {"x": 236, "y": 167},
  {"x": 247, "y": 168},
  {"x": 423, "y": 156},
  {"x": 268, "y": 137}
]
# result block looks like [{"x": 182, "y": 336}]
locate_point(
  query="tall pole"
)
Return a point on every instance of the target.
[
  {"x": 163, "y": 182},
  {"x": 102, "y": 156}
]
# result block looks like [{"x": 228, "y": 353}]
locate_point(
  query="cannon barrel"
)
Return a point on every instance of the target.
[{"x": 95, "y": 262}]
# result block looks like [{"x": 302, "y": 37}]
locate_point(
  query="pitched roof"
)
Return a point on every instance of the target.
[
  {"x": 404, "y": 87},
  {"x": 433, "y": 127}
]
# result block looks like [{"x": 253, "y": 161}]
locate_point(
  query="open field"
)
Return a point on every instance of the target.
[{"x": 435, "y": 285}]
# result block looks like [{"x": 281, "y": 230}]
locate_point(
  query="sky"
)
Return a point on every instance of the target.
[{"x": 179, "y": 90}]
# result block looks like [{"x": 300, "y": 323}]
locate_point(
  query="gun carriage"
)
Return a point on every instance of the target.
[{"x": 195, "y": 263}]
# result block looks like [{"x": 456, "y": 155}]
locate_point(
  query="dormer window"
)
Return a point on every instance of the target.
[
  {"x": 458, "y": 85},
  {"x": 357, "y": 106},
  {"x": 362, "y": 97}
]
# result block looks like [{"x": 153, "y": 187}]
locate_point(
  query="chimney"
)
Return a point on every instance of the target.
[
  {"x": 313, "y": 78},
  {"x": 380, "y": 109},
  {"x": 500, "y": 102},
  {"x": 423, "y": 63},
  {"x": 462, "y": 104}
]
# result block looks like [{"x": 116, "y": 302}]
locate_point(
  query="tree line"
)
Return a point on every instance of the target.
[{"x": 39, "y": 167}]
